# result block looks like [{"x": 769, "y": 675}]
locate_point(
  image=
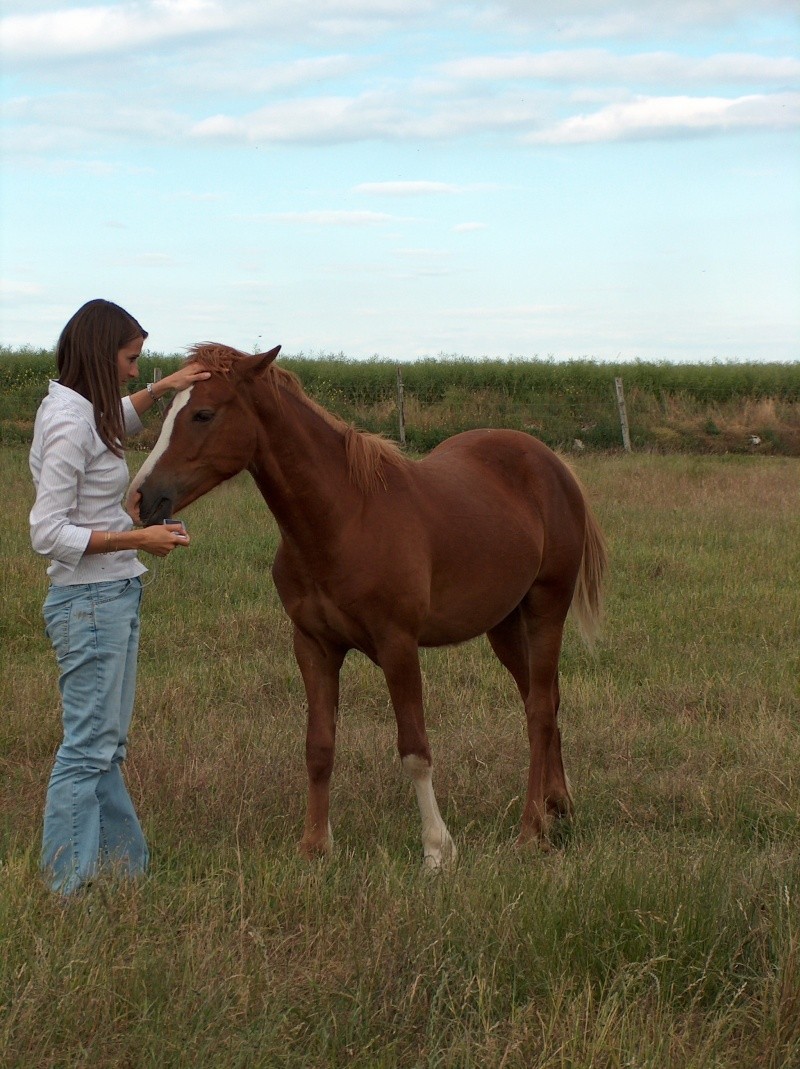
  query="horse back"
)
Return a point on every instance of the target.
[{"x": 511, "y": 472}]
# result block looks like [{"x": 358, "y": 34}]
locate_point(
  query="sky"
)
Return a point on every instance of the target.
[{"x": 407, "y": 178}]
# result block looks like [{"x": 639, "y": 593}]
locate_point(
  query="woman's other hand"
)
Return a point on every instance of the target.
[
  {"x": 162, "y": 538},
  {"x": 132, "y": 507}
]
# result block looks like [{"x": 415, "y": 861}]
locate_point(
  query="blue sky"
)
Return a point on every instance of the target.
[{"x": 407, "y": 178}]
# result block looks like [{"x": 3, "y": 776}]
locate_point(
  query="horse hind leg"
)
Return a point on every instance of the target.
[
  {"x": 558, "y": 789},
  {"x": 528, "y": 644},
  {"x": 549, "y": 793}
]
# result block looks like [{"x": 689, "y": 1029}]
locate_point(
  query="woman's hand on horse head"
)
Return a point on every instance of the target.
[{"x": 186, "y": 376}]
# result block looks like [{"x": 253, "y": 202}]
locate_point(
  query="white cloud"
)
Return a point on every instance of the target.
[
  {"x": 196, "y": 198},
  {"x": 151, "y": 259},
  {"x": 323, "y": 120},
  {"x": 64, "y": 31},
  {"x": 650, "y": 117},
  {"x": 334, "y": 218},
  {"x": 407, "y": 189},
  {"x": 388, "y": 118},
  {"x": 383, "y": 116},
  {"x": 74, "y": 119},
  {"x": 100, "y": 29},
  {"x": 583, "y": 19},
  {"x": 95, "y": 168},
  {"x": 80, "y": 31},
  {"x": 207, "y": 75},
  {"x": 230, "y": 92},
  {"x": 509, "y": 313},
  {"x": 593, "y": 65},
  {"x": 13, "y": 289},
  {"x": 424, "y": 254},
  {"x": 76, "y": 122}
]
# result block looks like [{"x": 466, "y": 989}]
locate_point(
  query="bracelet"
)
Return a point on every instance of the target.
[
  {"x": 151, "y": 391},
  {"x": 107, "y": 546}
]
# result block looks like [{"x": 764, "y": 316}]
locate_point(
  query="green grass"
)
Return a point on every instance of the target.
[{"x": 663, "y": 932}]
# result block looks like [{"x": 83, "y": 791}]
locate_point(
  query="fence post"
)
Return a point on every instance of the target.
[
  {"x": 623, "y": 415},
  {"x": 401, "y": 415},
  {"x": 157, "y": 378}
]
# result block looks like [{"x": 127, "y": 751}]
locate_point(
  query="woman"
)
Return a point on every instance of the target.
[{"x": 92, "y": 608}]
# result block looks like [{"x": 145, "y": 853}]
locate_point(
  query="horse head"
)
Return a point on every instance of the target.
[{"x": 208, "y": 436}]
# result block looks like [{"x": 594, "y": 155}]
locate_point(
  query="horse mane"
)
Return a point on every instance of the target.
[
  {"x": 214, "y": 357},
  {"x": 367, "y": 454}
]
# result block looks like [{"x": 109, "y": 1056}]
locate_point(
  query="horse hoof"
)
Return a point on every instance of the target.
[
  {"x": 532, "y": 841},
  {"x": 436, "y": 860},
  {"x": 313, "y": 851},
  {"x": 560, "y": 808},
  {"x": 314, "y": 845}
]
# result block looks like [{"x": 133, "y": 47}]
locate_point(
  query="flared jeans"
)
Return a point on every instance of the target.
[{"x": 89, "y": 819}]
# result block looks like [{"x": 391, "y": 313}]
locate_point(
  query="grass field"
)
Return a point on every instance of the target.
[{"x": 664, "y": 931}]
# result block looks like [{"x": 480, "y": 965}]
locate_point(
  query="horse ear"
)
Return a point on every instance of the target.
[{"x": 259, "y": 363}]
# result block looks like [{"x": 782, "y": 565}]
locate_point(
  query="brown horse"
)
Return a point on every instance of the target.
[{"x": 490, "y": 533}]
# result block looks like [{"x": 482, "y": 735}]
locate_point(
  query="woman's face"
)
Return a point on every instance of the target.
[{"x": 127, "y": 358}]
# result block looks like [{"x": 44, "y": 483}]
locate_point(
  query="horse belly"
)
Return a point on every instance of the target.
[
  {"x": 474, "y": 587},
  {"x": 485, "y": 537}
]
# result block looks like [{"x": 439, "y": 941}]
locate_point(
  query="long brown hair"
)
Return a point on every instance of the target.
[{"x": 86, "y": 356}]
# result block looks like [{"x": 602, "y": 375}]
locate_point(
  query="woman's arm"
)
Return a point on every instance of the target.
[
  {"x": 160, "y": 539},
  {"x": 58, "y": 463},
  {"x": 143, "y": 400},
  {"x": 63, "y": 453}
]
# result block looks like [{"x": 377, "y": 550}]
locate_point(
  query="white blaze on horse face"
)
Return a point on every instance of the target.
[
  {"x": 160, "y": 448},
  {"x": 437, "y": 846}
]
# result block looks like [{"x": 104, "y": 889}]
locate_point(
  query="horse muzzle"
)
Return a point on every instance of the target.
[{"x": 156, "y": 504}]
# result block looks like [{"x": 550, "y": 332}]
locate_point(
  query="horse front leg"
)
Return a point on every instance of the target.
[
  {"x": 319, "y": 666},
  {"x": 400, "y": 663}
]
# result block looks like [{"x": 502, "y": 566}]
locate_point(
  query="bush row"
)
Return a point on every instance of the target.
[
  {"x": 518, "y": 379},
  {"x": 707, "y": 407}
]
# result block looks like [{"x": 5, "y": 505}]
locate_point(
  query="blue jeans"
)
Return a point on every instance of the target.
[{"x": 89, "y": 817}]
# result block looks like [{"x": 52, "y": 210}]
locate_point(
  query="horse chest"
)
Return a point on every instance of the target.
[{"x": 315, "y": 612}]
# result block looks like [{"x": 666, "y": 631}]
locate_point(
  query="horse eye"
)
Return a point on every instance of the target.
[{"x": 203, "y": 415}]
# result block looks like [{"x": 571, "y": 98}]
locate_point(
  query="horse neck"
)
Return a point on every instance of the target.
[{"x": 300, "y": 466}]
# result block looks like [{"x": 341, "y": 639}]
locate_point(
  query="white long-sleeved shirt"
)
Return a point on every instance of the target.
[{"x": 80, "y": 485}]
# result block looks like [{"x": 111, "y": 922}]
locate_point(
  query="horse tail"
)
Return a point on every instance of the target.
[{"x": 587, "y": 601}]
